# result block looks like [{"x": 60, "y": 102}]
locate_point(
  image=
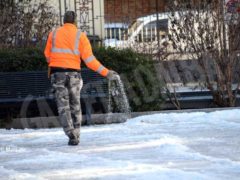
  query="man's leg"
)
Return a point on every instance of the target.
[
  {"x": 59, "y": 81},
  {"x": 74, "y": 88}
]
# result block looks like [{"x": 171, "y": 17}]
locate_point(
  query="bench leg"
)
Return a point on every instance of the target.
[{"x": 88, "y": 111}]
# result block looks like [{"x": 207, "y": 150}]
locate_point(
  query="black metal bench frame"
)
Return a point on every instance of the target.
[{"x": 19, "y": 87}]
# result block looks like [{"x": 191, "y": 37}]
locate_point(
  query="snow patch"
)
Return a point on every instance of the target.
[{"x": 161, "y": 146}]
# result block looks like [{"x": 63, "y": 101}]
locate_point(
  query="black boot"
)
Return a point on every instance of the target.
[{"x": 73, "y": 140}]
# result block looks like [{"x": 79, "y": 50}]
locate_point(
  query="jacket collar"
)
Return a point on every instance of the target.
[{"x": 69, "y": 25}]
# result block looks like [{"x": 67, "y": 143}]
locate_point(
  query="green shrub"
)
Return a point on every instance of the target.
[
  {"x": 136, "y": 70},
  {"x": 29, "y": 59},
  {"x": 138, "y": 74}
]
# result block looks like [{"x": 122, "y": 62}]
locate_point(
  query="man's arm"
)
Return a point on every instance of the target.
[
  {"x": 48, "y": 47},
  {"x": 88, "y": 57}
]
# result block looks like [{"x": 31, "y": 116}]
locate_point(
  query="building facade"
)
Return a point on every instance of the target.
[
  {"x": 90, "y": 14},
  {"x": 129, "y": 10},
  {"x": 94, "y": 14}
]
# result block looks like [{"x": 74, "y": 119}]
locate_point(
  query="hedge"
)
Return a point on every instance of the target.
[
  {"x": 138, "y": 74},
  {"x": 22, "y": 60},
  {"x": 136, "y": 70}
]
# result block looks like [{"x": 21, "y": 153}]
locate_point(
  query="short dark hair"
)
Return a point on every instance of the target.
[{"x": 69, "y": 17}]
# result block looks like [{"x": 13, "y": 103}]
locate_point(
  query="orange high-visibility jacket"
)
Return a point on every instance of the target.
[{"x": 67, "y": 45}]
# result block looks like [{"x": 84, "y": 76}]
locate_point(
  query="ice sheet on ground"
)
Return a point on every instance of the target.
[{"x": 162, "y": 146}]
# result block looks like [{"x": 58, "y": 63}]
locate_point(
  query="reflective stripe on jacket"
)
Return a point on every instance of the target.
[{"x": 66, "y": 46}]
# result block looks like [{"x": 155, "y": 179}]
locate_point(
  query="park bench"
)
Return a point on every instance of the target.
[{"x": 34, "y": 88}]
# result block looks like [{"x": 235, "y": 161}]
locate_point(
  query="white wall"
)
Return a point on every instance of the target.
[{"x": 99, "y": 18}]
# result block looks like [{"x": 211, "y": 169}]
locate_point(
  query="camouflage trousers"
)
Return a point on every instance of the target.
[{"x": 67, "y": 87}]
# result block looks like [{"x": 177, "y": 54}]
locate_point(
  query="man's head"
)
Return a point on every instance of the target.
[{"x": 70, "y": 17}]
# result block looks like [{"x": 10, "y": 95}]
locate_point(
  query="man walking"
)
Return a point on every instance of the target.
[{"x": 65, "y": 48}]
